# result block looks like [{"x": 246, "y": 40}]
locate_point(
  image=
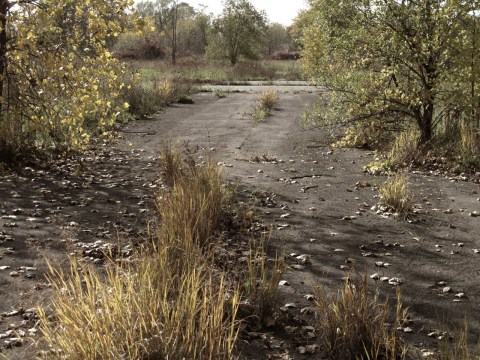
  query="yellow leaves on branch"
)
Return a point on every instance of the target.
[{"x": 58, "y": 60}]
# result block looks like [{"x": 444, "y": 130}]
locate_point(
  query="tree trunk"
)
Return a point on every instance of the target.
[
  {"x": 4, "y": 6},
  {"x": 174, "y": 32},
  {"x": 5, "y": 154},
  {"x": 425, "y": 122}
]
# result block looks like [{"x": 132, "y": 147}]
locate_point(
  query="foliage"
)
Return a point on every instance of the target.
[
  {"x": 276, "y": 38},
  {"x": 57, "y": 77},
  {"x": 146, "y": 45},
  {"x": 356, "y": 325},
  {"x": 367, "y": 134},
  {"x": 179, "y": 27},
  {"x": 239, "y": 30},
  {"x": 396, "y": 61},
  {"x": 149, "y": 95}
]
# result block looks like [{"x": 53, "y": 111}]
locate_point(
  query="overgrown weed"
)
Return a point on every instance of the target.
[
  {"x": 264, "y": 105},
  {"x": 262, "y": 278},
  {"x": 457, "y": 347},
  {"x": 268, "y": 99},
  {"x": 405, "y": 150},
  {"x": 356, "y": 324},
  {"x": 170, "y": 302},
  {"x": 396, "y": 195}
]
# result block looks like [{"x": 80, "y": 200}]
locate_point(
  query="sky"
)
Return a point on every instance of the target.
[{"x": 281, "y": 11}]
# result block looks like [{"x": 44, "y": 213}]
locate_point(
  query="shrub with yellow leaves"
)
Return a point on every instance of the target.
[{"x": 58, "y": 81}]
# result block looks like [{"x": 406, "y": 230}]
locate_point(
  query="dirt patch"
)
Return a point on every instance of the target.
[{"x": 319, "y": 201}]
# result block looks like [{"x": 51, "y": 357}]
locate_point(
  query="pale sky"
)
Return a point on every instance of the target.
[{"x": 281, "y": 11}]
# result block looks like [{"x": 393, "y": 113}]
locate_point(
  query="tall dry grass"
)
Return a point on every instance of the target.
[
  {"x": 396, "y": 195},
  {"x": 170, "y": 303},
  {"x": 405, "y": 150},
  {"x": 356, "y": 324},
  {"x": 262, "y": 278}
]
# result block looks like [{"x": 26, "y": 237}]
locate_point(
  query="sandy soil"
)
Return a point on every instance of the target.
[{"x": 320, "y": 208}]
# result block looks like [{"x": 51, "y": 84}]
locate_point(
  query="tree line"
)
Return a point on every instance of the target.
[
  {"x": 397, "y": 63},
  {"x": 178, "y": 29}
]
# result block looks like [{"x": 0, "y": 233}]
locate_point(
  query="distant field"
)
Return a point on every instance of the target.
[{"x": 218, "y": 72}]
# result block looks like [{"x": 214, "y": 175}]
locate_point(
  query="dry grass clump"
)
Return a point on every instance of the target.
[
  {"x": 169, "y": 303},
  {"x": 457, "y": 347},
  {"x": 405, "y": 148},
  {"x": 262, "y": 278},
  {"x": 268, "y": 99},
  {"x": 469, "y": 147},
  {"x": 139, "y": 311},
  {"x": 266, "y": 102},
  {"x": 193, "y": 208},
  {"x": 396, "y": 195},
  {"x": 355, "y": 324}
]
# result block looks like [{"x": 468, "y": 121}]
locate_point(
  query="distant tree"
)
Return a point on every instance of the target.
[
  {"x": 192, "y": 33},
  {"x": 275, "y": 38},
  {"x": 302, "y": 21},
  {"x": 395, "y": 60},
  {"x": 239, "y": 30},
  {"x": 166, "y": 15}
]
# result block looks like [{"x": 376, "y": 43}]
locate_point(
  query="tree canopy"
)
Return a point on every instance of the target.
[
  {"x": 239, "y": 30},
  {"x": 395, "y": 60}
]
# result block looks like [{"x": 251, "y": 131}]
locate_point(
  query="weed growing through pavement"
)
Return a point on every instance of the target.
[
  {"x": 457, "y": 347},
  {"x": 220, "y": 94},
  {"x": 262, "y": 278},
  {"x": 396, "y": 195},
  {"x": 168, "y": 302},
  {"x": 268, "y": 99},
  {"x": 264, "y": 105},
  {"x": 259, "y": 114},
  {"x": 356, "y": 324}
]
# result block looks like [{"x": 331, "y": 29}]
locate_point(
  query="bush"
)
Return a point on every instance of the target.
[
  {"x": 285, "y": 55},
  {"x": 148, "y": 95},
  {"x": 139, "y": 46},
  {"x": 268, "y": 99},
  {"x": 369, "y": 134}
]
